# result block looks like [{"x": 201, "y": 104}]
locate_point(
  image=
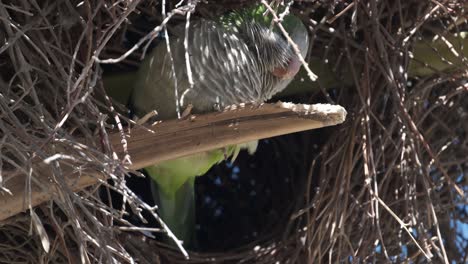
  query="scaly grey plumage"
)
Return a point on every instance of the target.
[{"x": 230, "y": 64}]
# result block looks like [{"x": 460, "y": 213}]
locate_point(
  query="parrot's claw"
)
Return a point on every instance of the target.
[
  {"x": 218, "y": 107},
  {"x": 187, "y": 111}
]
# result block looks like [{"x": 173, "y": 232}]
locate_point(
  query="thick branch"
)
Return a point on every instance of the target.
[{"x": 177, "y": 138}]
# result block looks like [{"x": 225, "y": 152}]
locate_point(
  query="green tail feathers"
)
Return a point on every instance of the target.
[
  {"x": 173, "y": 187},
  {"x": 178, "y": 210}
]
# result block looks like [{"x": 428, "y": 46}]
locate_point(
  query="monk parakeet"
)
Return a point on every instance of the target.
[{"x": 240, "y": 57}]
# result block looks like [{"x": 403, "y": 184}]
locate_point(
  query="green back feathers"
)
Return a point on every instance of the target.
[{"x": 259, "y": 15}]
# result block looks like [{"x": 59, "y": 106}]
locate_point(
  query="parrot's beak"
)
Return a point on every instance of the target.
[{"x": 289, "y": 71}]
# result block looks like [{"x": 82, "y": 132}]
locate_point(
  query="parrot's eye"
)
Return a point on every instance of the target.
[{"x": 271, "y": 48}]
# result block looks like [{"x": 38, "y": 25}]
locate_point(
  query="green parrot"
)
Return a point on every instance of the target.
[{"x": 239, "y": 58}]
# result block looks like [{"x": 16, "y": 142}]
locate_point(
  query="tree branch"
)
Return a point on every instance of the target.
[{"x": 177, "y": 138}]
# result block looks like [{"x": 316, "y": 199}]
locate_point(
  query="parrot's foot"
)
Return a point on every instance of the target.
[
  {"x": 218, "y": 107},
  {"x": 187, "y": 111}
]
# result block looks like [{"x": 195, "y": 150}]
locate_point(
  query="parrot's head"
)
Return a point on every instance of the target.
[
  {"x": 240, "y": 57},
  {"x": 299, "y": 36},
  {"x": 275, "y": 53}
]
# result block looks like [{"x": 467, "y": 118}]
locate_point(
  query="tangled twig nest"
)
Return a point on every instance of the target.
[{"x": 389, "y": 185}]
